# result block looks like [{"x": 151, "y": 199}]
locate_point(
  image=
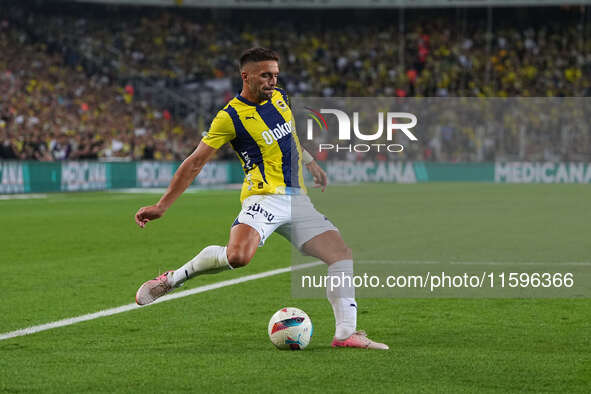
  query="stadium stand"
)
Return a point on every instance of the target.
[{"x": 140, "y": 83}]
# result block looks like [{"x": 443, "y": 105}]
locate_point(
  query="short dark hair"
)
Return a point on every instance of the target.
[{"x": 258, "y": 55}]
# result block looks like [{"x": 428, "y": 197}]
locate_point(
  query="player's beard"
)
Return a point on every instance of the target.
[{"x": 264, "y": 95}]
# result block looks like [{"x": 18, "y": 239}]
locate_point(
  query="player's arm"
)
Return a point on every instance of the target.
[
  {"x": 318, "y": 174},
  {"x": 183, "y": 177}
]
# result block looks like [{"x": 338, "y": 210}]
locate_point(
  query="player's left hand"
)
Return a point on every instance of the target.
[{"x": 318, "y": 174}]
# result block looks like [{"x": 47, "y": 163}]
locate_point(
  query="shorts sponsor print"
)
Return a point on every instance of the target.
[{"x": 292, "y": 216}]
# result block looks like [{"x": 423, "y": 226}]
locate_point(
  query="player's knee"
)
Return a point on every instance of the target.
[
  {"x": 238, "y": 257},
  {"x": 338, "y": 254},
  {"x": 346, "y": 253}
]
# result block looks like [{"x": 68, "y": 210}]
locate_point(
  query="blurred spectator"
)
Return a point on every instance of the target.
[{"x": 68, "y": 74}]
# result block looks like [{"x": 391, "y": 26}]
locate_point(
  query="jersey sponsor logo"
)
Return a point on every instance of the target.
[
  {"x": 278, "y": 132},
  {"x": 248, "y": 164},
  {"x": 249, "y": 117},
  {"x": 256, "y": 208}
]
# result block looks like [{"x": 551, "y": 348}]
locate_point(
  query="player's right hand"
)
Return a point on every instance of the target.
[
  {"x": 318, "y": 174},
  {"x": 145, "y": 214}
]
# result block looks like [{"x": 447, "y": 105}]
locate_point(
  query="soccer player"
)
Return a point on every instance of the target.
[{"x": 260, "y": 126}]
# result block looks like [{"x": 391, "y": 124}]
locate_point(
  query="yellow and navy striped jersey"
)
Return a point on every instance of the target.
[{"x": 265, "y": 140}]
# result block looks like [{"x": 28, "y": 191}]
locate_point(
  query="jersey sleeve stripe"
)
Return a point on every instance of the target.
[{"x": 245, "y": 145}]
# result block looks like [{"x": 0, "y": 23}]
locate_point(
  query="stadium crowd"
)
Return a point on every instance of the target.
[
  {"x": 49, "y": 111},
  {"x": 65, "y": 75}
]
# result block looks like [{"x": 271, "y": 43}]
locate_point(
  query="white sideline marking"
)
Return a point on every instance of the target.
[
  {"x": 130, "y": 307},
  {"x": 217, "y": 285},
  {"x": 21, "y": 196},
  {"x": 192, "y": 189}
]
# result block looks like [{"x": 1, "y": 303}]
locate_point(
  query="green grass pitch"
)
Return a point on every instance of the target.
[{"x": 73, "y": 254}]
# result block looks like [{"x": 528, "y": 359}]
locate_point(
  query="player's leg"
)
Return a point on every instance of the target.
[
  {"x": 330, "y": 247},
  {"x": 258, "y": 219},
  {"x": 241, "y": 247},
  {"x": 243, "y": 244},
  {"x": 315, "y": 235}
]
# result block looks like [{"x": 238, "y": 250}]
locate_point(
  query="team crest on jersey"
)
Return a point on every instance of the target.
[{"x": 281, "y": 104}]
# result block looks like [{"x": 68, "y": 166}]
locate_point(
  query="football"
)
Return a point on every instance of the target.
[{"x": 291, "y": 329}]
